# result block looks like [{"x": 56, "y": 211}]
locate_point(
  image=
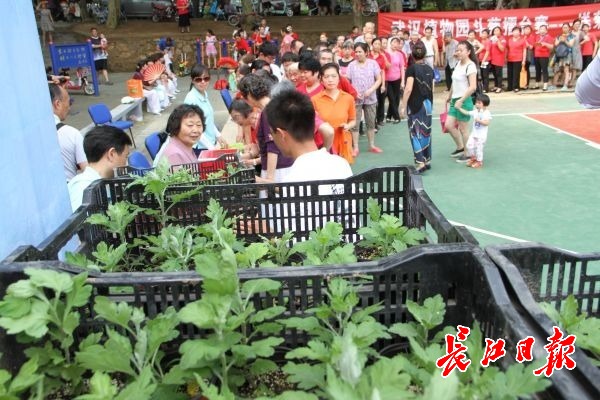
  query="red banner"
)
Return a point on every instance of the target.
[{"x": 460, "y": 22}]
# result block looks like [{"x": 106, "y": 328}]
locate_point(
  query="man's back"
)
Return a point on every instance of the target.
[
  {"x": 71, "y": 149},
  {"x": 318, "y": 165}
]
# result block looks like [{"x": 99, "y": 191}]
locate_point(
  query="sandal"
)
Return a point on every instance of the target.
[{"x": 498, "y": 90}]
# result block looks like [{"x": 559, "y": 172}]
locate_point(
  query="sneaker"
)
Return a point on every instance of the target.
[
  {"x": 471, "y": 161},
  {"x": 462, "y": 159},
  {"x": 396, "y": 121},
  {"x": 564, "y": 89},
  {"x": 457, "y": 153},
  {"x": 109, "y": 83},
  {"x": 375, "y": 149},
  {"x": 551, "y": 87},
  {"x": 477, "y": 164}
]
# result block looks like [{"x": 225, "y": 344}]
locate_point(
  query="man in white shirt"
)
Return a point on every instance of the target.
[
  {"x": 70, "y": 140},
  {"x": 431, "y": 45},
  {"x": 291, "y": 116},
  {"x": 106, "y": 148}
]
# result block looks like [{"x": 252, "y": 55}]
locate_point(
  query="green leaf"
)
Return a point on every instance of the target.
[
  {"x": 80, "y": 295},
  {"x": 406, "y": 330},
  {"x": 101, "y": 388},
  {"x": 373, "y": 209},
  {"x": 60, "y": 282},
  {"x": 77, "y": 259},
  {"x": 208, "y": 312},
  {"x": 195, "y": 353},
  {"x": 252, "y": 254},
  {"x": 14, "y": 307},
  {"x": 586, "y": 332},
  {"x": 140, "y": 389},
  {"x": 262, "y": 366},
  {"x": 365, "y": 313},
  {"x": 307, "y": 324},
  {"x": 268, "y": 328},
  {"x": 267, "y": 314},
  {"x": 33, "y": 324},
  {"x": 342, "y": 255},
  {"x": 23, "y": 289},
  {"x": 551, "y": 311},
  {"x": 306, "y": 376},
  {"x": 117, "y": 313},
  {"x": 259, "y": 286},
  {"x": 431, "y": 313},
  {"x": 265, "y": 347},
  {"x": 518, "y": 381},
  {"x": 26, "y": 377},
  {"x": 109, "y": 256},
  {"x": 338, "y": 389},
  {"x": 442, "y": 388},
  {"x": 387, "y": 378},
  {"x": 291, "y": 395},
  {"x": 570, "y": 313},
  {"x": 162, "y": 329},
  {"x": 315, "y": 350},
  {"x": 113, "y": 356}
]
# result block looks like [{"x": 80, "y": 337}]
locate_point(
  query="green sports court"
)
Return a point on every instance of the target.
[{"x": 541, "y": 175}]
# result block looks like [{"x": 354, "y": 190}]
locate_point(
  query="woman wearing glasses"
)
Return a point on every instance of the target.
[{"x": 198, "y": 96}]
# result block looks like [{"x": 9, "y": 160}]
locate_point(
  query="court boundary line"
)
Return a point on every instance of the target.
[
  {"x": 558, "y": 130},
  {"x": 489, "y": 233}
]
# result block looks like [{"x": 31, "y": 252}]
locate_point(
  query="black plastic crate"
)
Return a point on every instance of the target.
[
  {"x": 398, "y": 190},
  {"x": 461, "y": 273},
  {"x": 535, "y": 273},
  {"x": 200, "y": 169}
]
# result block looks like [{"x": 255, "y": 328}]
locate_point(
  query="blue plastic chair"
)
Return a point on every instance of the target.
[
  {"x": 226, "y": 96},
  {"x": 152, "y": 143},
  {"x": 138, "y": 161},
  {"x": 100, "y": 114}
]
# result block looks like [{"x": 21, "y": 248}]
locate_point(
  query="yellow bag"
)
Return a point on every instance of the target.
[
  {"x": 523, "y": 81},
  {"x": 135, "y": 88},
  {"x": 342, "y": 144}
]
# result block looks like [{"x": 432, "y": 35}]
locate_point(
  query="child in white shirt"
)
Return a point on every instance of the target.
[{"x": 481, "y": 121}]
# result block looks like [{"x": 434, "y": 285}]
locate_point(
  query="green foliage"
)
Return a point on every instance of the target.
[
  {"x": 341, "y": 345},
  {"x": 384, "y": 234},
  {"x": 579, "y": 324},
  {"x": 279, "y": 250},
  {"x": 232, "y": 346},
  {"x": 43, "y": 310},
  {"x": 325, "y": 246},
  {"x": 118, "y": 216},
  {"x": 175, "y": 247},
  {"x": 157, "y": 182}
]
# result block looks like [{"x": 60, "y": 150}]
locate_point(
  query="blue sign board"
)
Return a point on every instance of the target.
[{"x": 74, "y": 56}]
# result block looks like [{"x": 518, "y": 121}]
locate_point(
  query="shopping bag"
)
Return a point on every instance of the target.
[
  {"x": 135, "y": 88},
  {"x": 436, "y": 76},
  {"x": 443, "y": 118},
  {"x": 523, "y": 83},
  {"x": 342, "y": 144}
]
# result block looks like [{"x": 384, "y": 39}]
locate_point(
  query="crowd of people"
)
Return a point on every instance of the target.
[{"x": 353, "y": 85}]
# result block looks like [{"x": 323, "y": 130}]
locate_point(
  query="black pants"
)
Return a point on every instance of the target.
[
  {"x": 448, "y": 72},
  {"x": 485, "y": 77},
  {"x": 541, "y": 69},
  {"x": 513, "y": 69},
  {"x": 393, "y": 96},
  {"x": 380, "y": 116},
  {"x": 527, "y": 64},
  {"x": 586, "y": 61},
  {"x": 497, "y": 71}
]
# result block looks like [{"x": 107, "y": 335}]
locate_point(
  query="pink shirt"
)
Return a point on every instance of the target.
[
  {"x": 363, "y": 76},
  {"x": 394, "y": 72},
  {"x": 178, "y": 153}
]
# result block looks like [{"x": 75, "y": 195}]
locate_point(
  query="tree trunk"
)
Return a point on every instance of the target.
[
  {"x": 247, "y": 23},
  {"x": 358, "y": 19},
  {"x": 396, "y": 6},
  {"x": 84, "y": 10},
  {"x": 114, "y": 7}
]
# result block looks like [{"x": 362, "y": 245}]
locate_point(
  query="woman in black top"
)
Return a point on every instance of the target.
[{"x": 418, "y": 98}]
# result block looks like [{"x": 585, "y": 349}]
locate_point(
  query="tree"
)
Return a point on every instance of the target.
[
  {"x": 114, "y": 10},
  {"x": 84, "y": 10},
  {"x": 396, "y": 6},
  {"x": 356, "y": 5}
]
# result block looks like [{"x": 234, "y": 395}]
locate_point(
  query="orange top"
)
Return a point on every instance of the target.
[{"x": 335, "y": 112}]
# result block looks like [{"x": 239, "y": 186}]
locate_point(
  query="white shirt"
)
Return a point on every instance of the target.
[
  {"x": 314, "y": 166},
  {"x": 79, "y": 183},
  {"x": 276, "y": 71},
  {"x": 480, "y": 131},
  {"x": 429, "y": 46},
  {"x": 70, "y": 142},
  {"x": 460, "y": 78},
  {"x": 587, "y": 90}
]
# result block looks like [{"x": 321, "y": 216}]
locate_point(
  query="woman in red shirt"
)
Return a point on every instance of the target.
[
  {"x": 542, "y": 47},
  {"x": 497, "y": 55},
  {"x": 517, "y": 49},
  {"x": 183, "y": 10},
  {"x": 588, "y": 46}
]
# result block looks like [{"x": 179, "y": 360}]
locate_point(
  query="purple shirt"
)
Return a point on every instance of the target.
[
  {"x": 363, "y": 76},
  {"x": 267, "y": 145},
  {"x": 178, "y": 153}
]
